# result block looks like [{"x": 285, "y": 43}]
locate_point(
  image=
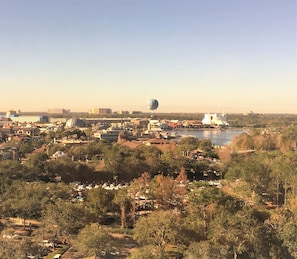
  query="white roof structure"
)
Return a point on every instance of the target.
[
  {"x": 59, "y": 154},
  {"x": 215, "y": 119},
  {"x": 74, "y": 122}
]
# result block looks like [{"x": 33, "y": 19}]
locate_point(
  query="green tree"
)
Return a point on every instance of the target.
[
  {"x": 204, "y": 250},
  {"x": 123, "y": 200},
  {"x": 63, "y": 167},
  {"x": 202, "y": 204},
  {"x": 24, "y": 200},
  {"x": 93, "y": 239},
  {"x": 11, "y": 169},
  {"x": 253, "y": 170},
  {"x": 115, "y": 160},
  {"x": 158, "y": 229},
  {"x": 207, "y": 148},
  {"x": 146, "y": 252},
  {"x": 36, "y": 164},
  {"x": 289, "y": 234},
  {"x": 79, "y": 152},
  {"x": 188, "y": 144},
  {"x": 289, "y": 139},
  {"x": 98, "y": 202},
  {"x": 53, "y": 148},
  {"x": 244, "y": 235},
  {"x": 138, "y": 187},
  {"x": 172, "y": 162},
  {"x": 152, "y": 157},
  {"x": 63, "y": 218}
]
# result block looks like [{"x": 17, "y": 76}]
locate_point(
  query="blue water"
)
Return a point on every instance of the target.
[{"x": 217, "y": 137}]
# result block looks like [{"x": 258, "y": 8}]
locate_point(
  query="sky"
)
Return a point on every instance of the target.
[{"x": 193, "y": 56}]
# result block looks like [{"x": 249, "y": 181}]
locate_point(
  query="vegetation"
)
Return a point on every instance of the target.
[{"x": 191, "y": 201}]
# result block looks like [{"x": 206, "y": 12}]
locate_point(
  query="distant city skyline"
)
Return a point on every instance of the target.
[{"x": 191, "y": 55}]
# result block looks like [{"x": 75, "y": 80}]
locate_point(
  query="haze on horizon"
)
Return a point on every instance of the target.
[{"x": 193, "y": 56}]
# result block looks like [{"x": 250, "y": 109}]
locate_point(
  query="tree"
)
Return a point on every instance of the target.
[
  {"x": 11, "y": 169},
  {"x": 53, "y": 148},
  {"x": 158, "y": 229},
  {"x": 172, "y": 162},
  {"x": 233, "y": 232},
  {"x": 24, "y": 200},
  {"x": 206, "y": 146},
  {"x": 63, "y": 218},
  {"x": 123, "y": 200},
  {"x": 288, "y": 235},
  {"x": 66, "y": 169},
  {"x": 243, "y": 234},
  {"x": 166, "y": 192},
  {"x": 146, "y": 252},
  {"x": 243, "y": 141},
  {"x": 138, "y": 187},
  {"x": 26, "y": 147},
  {"x": 115, "y": 161},
  {"x": 79, "y": 152},
  {"x": 98, "y": 202},
  {"x": 288, "y": 139},
  {"x": 153, "y": 162},
  {"x": 251, "y": 169},
  {"x": 204, "y": 250},
  {"x": 93, "y": 239},
  {"x": 277, "y": 164},
  {"x": 188, "y": 144},
  {"x": 36, "y": 164},
  {"x": 202, "y": 203},
  {"x": 290, "y": 177}
]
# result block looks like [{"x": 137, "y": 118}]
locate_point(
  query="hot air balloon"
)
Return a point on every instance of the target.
[{"x": 153, "y": 104}]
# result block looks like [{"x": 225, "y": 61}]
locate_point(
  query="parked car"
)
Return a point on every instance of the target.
[
  {"x": 47, "y": 243},
  {"x": 12, "y": 236}
]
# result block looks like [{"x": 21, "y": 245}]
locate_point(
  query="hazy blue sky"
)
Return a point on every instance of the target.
[{"x": 193, "y": 56}]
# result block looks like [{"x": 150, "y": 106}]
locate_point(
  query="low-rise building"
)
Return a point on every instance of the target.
[
  {"x": 58, "y": 111},
  {"x": 9, "y": 153},
  {"x": 100, "y": 111},
  {"x": 110, "y": 134},
  {"x": 215, "y": 119}
]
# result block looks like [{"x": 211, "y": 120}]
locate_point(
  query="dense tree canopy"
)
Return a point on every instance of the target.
[{"x": 93, "y": 239}]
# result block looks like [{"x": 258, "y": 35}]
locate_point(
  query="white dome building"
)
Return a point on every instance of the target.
[{"x": 75, "y": 122}]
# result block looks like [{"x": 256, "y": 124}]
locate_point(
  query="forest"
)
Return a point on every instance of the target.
[{"x": 192, "y": 200}]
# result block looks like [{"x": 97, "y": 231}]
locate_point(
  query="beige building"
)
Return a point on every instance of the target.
[
  {"x": 100, "y": 111},
  {"x": 58, "y": 111},
  {"x": 12, "y": 113}
]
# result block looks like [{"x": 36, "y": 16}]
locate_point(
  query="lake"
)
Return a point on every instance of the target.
[{"x": 217, "y": 137}]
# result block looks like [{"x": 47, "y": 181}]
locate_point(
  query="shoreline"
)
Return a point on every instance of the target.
[{"x": 208, "y": 128}]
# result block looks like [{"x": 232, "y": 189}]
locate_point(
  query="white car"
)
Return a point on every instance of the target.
[
  {"x": 11, "y": 236},
  {"x": 47, "y": 243}
]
